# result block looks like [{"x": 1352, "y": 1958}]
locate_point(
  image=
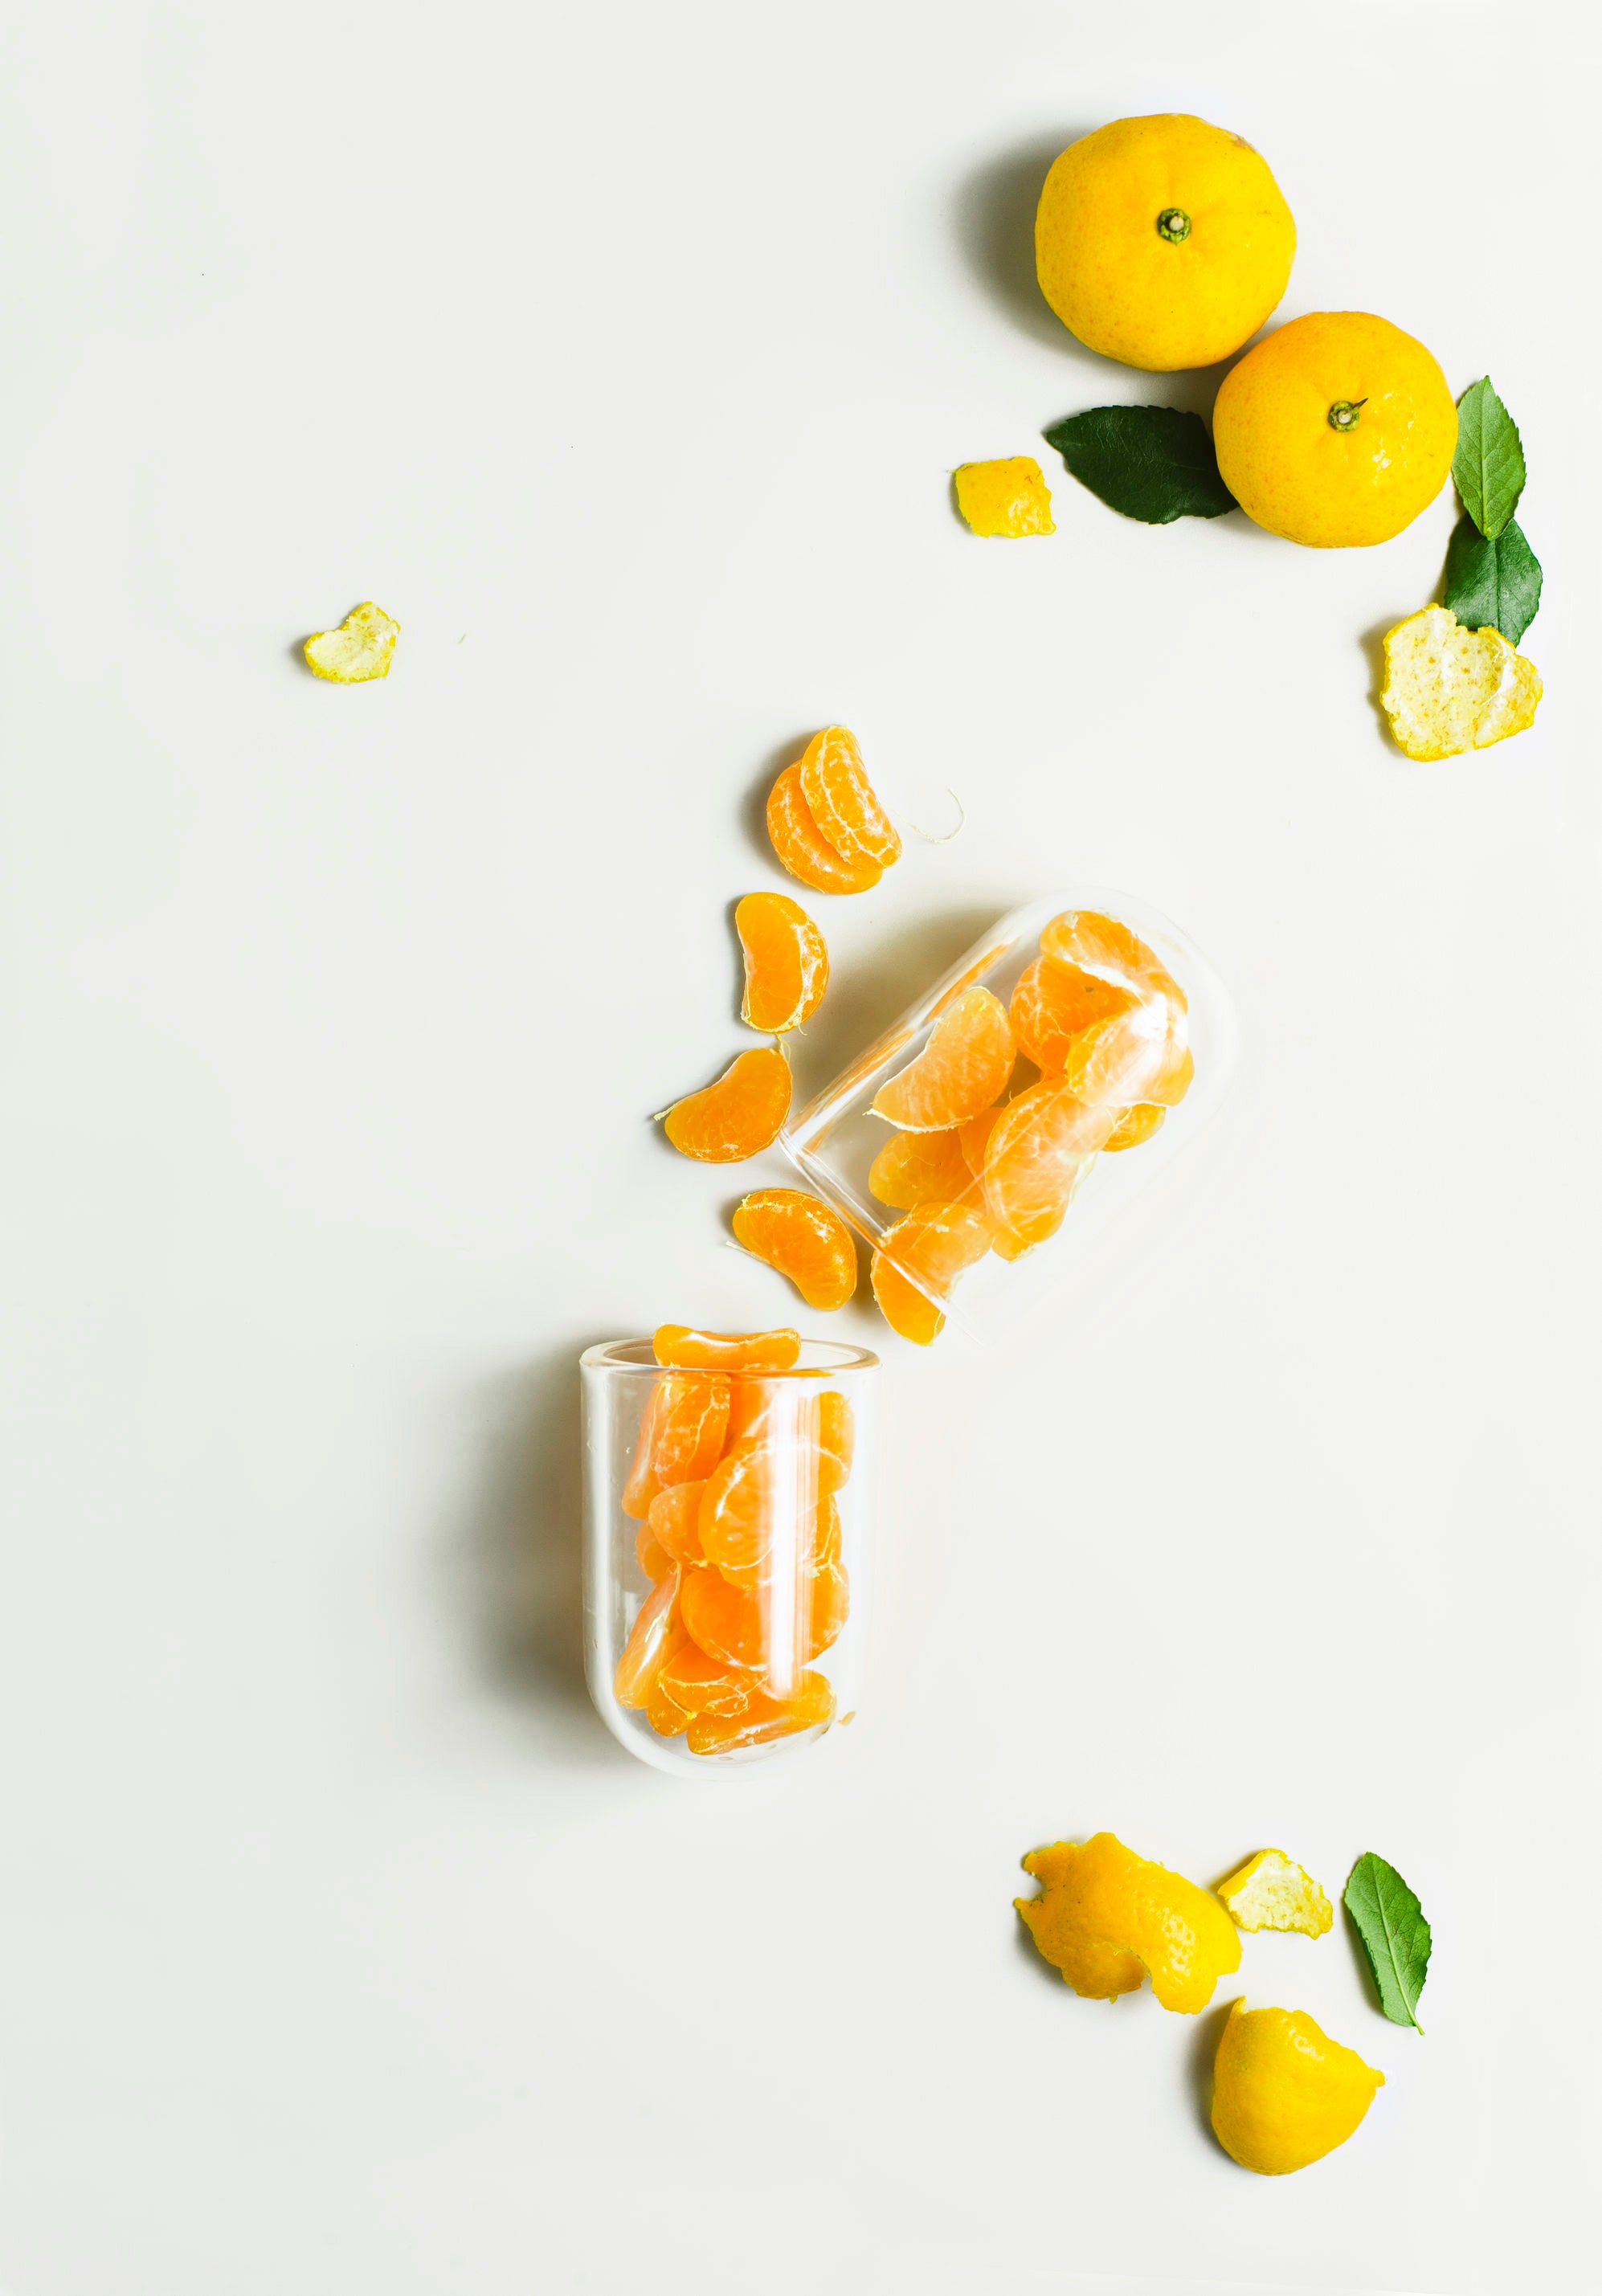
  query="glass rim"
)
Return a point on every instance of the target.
[{"x": 639, "y": 1355}]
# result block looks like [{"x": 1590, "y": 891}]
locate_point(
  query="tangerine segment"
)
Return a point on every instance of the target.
[
  {"x": 657, "y": 1630},
  {"x": 681, "y": 1344},
  {"x": 1052, "y": 1003},
  {"x": 763, "y": 1718},
  {"x": 1034, "y": 1162},
  {"x": 764, "y": 1496},
  {"x": 652, "y": 1555},
  {"x": 963, "y": 1068},
  {"x": 1105, "y": 946},
  {"x": 750, "y": 1627},
  {"x": 918, "y": 1168},
  {"x": 674, "y": 1521},
  {"x": 691, "y": 1425},
  {"x": 803, "y": 849},
  {"x": 800, "y": 1236},
  {"x": 699, "y": 1684},
  {"x": 742, "y": 1112},
  {"x": 1134, "y": 1125},
  {"x": 923, "y": 1254},
  {"x": 1105, "y": 1917},
  {"x": 778, "y": 1413},
  {"x": 840, "y": 799},
  {"x": 1130, "y": 1058},
  {"x": 973, "y": 1139},
  {"x": 642, "y": 1486},
  {"x": 787, "y": 963}
]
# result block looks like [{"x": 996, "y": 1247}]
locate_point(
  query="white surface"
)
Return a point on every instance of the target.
[{"x": 621, "y": 352}]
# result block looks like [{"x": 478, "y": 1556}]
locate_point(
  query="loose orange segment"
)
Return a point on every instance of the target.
[
  {"x": 682, "y": 1434},
  {"x": 739, "y": 1115},
  {"x": 918, "y": 1168},
  {"x": 802, "y": 847},
  {"x": 840, "y": 799},
  {"x": 1134, "y": 1125},
  {"x": 963, "y": 1068},
  {"x": 923, "y": 1254},
  {"x": 1101, "y": 944},
  {"x": 657, "y": 1631},
  {"x": 681, "y": 1345},
  {"x": 787, "y": 963},
  {"x": 752, "y": 1628},
  {"x": 674, "y": 1524},
  {"x": 763, "y": 1718},
  {"x": 1052, "y": 1003},
  {"x": 800, "y": 1236},
  {"x": 1035, "y": 1160}
]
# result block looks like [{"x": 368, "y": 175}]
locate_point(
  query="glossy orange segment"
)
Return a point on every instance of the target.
[
  {"x": 800, "y": 1237},
  {"x": 918, "y": 1261},
  {"x": 787, "y": 962},
  {"x": 656, "y": 1632},
  {"x": 963, "y": 1068},
  {"x": 803, "y": 849},
  {"x": 1035, "y": 1160},
  {"x": 682, "y": 1434},
  {"x": 747, "y": 1626},
  {"x": 763, "y": 1718},
  {"x": 685, "y": 1347},
  {"x": 1134, "y": 1125},
  {"x": 1105, "y": 946},
  {"x": 765, "y": 1496},
  {"x": 776, "y": 1412},
  {"x": 652, "y": 1555},
  {"x": 674, "y": 1522},
  {"x": 840, "y": 798},
  {"x": 973, "y": 1139},
  {"x": 740, "y": 1114},
  {"x": 699, "y": 1684},
  {"x": 1052, "y": 1003},
  {"x": 918, "y": 1168}
]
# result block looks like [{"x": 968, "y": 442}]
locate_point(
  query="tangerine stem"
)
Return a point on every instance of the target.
[
  {"x": 1344, "y": 413},
  {"x": 1173, "y": 225}
]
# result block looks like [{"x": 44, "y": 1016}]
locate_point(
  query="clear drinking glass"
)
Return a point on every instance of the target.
[
  {"x": 729, "y": 1517},
  {"x": 1167, "y": 1033}
]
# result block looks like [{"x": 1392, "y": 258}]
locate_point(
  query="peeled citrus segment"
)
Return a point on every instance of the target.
[
  {"x": 802, "y": 847},
  {"x": 1283, "y": 2092},
  {"x": 787, "y": 962},
  {"x": 1270, "y": 1892},
  {"x": 963, "y": 1068},
  {"x": 679, "y": 1344},
  {"x": 1134, "y": 1125},
  {"x": 768, "y": 1497},
  {"x": 1035, "y": 1160},
  {"x": 973, "y": 1139},
  {"x": 362, "y": 647},
  {"x": 652, "y": 1555},
  {"x": 1053, "y": 1002},
  {"x": 764, "y": 1718},
  {"x": 800, "y": 1236},
  {"x": 691, "y": 1423},
  {"x": 778, "y": 1413},
  {"x": 739, "y": 1115},
  {"x": 656, "y": 1631},
  {"x": 1105, "y": 946},
  {"x": 840, "y": 799},
  {"x": 664, "y": 1711},
  {"x": 1448, "y": 689},
  {"x": 1101, "y": 1907},
  {"x": 699, "y": 1684},
  {"x": 752, "y": 1628},
  {"x": 918, "y": 1168},
  {"x": 1008, "y": 497},
  {"x": 917, "y": 1262},
  {"x": 674, "y": 1523}
]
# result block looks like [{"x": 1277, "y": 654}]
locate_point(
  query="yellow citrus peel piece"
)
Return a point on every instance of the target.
[
  {"x": 1270, "y": 1892},
  {"x": 1448, "y": 689},
  {"x": 1283, "y": 2092},
  {"x": 1108, "y": 1918},
  {"x": 362, "y": 647},
  {"x": 1009, "y": 497}
]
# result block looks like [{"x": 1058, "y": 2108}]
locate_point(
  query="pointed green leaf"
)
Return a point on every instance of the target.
[
  {"x": 1492, "y": 584},
  {"x": 1488, "y": 469},
  {"x": 1394, "y": 1935},
  {"x": 1155, "y": 464}
]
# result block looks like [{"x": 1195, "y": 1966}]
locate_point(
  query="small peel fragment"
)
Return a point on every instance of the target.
[
  {"x": 1448, "y": 690},
  {"x": 1270, "y": 1892},
  {"x": 362, "y": 647},
  {"x": 1107, "y": 1918},
  {"x": 1008, "y": 497}
]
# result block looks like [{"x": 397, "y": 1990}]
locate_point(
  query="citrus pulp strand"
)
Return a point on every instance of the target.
[
  {"x": 804, "y": 1240},
  {"x": 682, "y": 1345},
  {"x": 741, "y": 1112},
  {"x": 787, "y": 962},
  {"x": 840, "y": 799},
  {"x": 962, "y": 1068},
  {"x": 804, "y": 850}
]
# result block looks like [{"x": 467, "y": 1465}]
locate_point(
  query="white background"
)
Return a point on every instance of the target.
[{"x": 621, "y": 352}]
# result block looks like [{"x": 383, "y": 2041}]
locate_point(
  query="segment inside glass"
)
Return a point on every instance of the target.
[
  {"x": 1035, "y": 1087},
  {"x": 727, "y": 1518}
]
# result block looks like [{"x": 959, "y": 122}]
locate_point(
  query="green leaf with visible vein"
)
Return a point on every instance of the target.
[
  {"x": 1492, "y": 584},
  {"x": 1394, "y": 1935},
  {"x": 1155, "y": 464},
  {"x": 1488, "y": 469}
]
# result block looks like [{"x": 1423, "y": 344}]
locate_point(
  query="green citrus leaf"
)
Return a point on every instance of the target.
[
  {"x": 1154, "y": 463},
  {"x": 1394, "y": 1935},
  {"x": 1488, "y": 469},
  {"x": 1492, "y": 584}
]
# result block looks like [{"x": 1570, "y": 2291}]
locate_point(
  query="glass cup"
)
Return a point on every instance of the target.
[
  {"x": 729, "y": 1516},
  {"x": 1103, "y": 1041}
]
